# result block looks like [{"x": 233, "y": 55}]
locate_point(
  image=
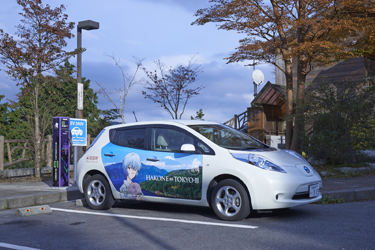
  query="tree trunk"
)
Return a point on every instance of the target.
[
  {"x": 37, "y": 139},
  {"x": 289, "y": 103},
  {"x": 299, "y": 127}
]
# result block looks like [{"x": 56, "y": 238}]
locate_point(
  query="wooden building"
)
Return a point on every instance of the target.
[
  {"x": 268, "y": 109},
  {"x": 356, "y": 69},
  {"x": 265, "y": 117}
]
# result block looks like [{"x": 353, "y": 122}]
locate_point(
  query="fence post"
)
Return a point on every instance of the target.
[
  {"x": 88, "y": 141},
  {"x": 1, "y": 152},
  {"x": 49, "y": 151}
]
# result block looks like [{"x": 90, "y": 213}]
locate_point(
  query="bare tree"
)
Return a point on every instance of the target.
[
  {"x": 171, "y": 87},
  {"x": 128, "y": 82}
]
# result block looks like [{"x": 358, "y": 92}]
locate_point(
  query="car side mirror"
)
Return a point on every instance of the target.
[{"x": 187, "y": 148}]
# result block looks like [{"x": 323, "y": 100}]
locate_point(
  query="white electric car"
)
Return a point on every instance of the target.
[{"x": 194, "y": 163}]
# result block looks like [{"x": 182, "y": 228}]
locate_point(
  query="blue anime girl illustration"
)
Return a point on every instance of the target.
[{"x": 131, "y": 166}]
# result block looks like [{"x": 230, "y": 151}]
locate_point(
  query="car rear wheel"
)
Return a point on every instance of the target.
[
  {"x": 230, "y": 201},
  {"x": 98, "y": 194}
]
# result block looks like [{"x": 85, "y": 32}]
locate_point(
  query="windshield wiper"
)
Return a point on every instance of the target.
[{"x": 247, "y": 148}]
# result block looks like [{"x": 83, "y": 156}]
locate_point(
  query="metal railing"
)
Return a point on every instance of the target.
[
  {"x": 238, "y": 121},
  {"x": 25, "y": 145},
  {"x": 12, "y": 155}
]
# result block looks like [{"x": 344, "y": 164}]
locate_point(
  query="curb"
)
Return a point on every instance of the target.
[
  {"x": 349, "y": 195},
  {"x": 40, "y": 198},
  {"x": 43, "y": 198}
]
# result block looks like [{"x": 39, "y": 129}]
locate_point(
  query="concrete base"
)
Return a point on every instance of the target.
[
  {"x": 23, "y": 172},
  {"x": 28, "y": 211},
  {"x": 81, "y": 202}
]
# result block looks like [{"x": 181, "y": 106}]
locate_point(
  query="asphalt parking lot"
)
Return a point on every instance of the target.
[{"x": 155, "y": 226}]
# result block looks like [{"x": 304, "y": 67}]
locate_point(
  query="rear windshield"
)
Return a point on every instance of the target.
[{"x": 227, "y": 137}]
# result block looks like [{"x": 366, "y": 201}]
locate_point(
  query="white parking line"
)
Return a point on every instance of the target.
[
  {"x": 154, "y": 218},
  {"x": 10, "y": 246}
]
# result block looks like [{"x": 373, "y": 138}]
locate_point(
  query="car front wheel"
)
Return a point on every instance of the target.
[
  {"x": 98, "y": 194},
  {"x": 230, "y": 200}
]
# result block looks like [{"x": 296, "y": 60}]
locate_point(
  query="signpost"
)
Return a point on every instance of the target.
[
  {"x": 78, "y": 130},
  {"x": 80, "y": 96}
]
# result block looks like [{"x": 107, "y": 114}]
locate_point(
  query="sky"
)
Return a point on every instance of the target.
[{"x": 151, "y": 30}]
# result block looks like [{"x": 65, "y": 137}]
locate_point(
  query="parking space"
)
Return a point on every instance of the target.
[{"x": 144, "y": 225}]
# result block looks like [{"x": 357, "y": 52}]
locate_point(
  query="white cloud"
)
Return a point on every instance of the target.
[{"x": 153, "y": 29}]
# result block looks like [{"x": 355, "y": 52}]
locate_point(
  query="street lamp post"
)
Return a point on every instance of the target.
[{"x": 86, "y": 25}]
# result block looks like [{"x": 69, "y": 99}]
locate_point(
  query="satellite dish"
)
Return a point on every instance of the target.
[{"x": 258, "y": 77}]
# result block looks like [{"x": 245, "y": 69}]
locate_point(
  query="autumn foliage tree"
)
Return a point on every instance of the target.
[
  {"x": 38, "y": 49},
  {"x": 311, "y": 31},
  {"x": 172, "y": 87}
]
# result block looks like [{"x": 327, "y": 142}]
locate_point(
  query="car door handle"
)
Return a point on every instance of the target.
[
  {"x": 109, "y": 154},
  {"x": 152, "y": 159}
]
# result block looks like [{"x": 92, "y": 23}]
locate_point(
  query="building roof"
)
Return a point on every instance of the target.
[{"x": 271, "y": 94}]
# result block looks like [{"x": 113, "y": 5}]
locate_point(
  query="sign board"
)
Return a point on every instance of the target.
[
  {"x": 80, "y": 96},
  {"x": 61, "y": 151},
  {"x": 276, "y": 141},
  {"x": 78, "y": 130}
]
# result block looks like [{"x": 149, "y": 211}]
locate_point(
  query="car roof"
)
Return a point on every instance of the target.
[{"x": 167, "y": 122}]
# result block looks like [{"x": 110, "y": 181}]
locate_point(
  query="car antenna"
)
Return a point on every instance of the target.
[{"x": 135, "y": 117}]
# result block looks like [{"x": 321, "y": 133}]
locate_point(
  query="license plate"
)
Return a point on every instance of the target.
[{"x": 314, "y": 190}]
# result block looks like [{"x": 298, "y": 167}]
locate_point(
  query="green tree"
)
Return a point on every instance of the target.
[
  {"x": 64, "y": 92},
  {"x": 39, "y": 47},
  {"x": 338, "y": 112},
  {"x": 3, "y": 116},
  {"x": 12, "y": 120},
  {"x": 199, "y": 115},
  {"x": 59, "y": 99}
]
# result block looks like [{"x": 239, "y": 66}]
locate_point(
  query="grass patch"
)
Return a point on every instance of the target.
[{"x": 328, "y": 200}]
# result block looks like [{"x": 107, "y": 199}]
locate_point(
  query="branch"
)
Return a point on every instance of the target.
[{"x": 106, "y": 96}]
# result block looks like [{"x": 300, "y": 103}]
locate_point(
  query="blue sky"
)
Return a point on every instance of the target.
[{"x": 152, "y": 29}]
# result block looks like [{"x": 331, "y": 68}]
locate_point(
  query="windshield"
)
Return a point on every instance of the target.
[{"x": 227, "y": 137}]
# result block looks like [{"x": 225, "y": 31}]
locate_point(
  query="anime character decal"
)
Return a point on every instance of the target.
[
  {"x": 131, "y": 166},
  {"x": 65, "y": 161},
  {"x": 138, "y": 174}
]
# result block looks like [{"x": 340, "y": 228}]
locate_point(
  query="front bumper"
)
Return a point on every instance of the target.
[{"x": 273, "y": 190}]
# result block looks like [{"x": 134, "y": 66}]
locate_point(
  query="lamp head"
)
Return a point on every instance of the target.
[{"x": 88, "y": 25}]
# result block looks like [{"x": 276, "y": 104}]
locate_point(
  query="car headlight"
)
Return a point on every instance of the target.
[{"x": 258, "y": 161}]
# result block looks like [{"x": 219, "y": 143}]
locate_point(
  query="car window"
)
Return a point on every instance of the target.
[
  {"x": 166, "y": 139},
  {"x": 132, "y": 138},
  {"x": 227, "y": 137}
]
